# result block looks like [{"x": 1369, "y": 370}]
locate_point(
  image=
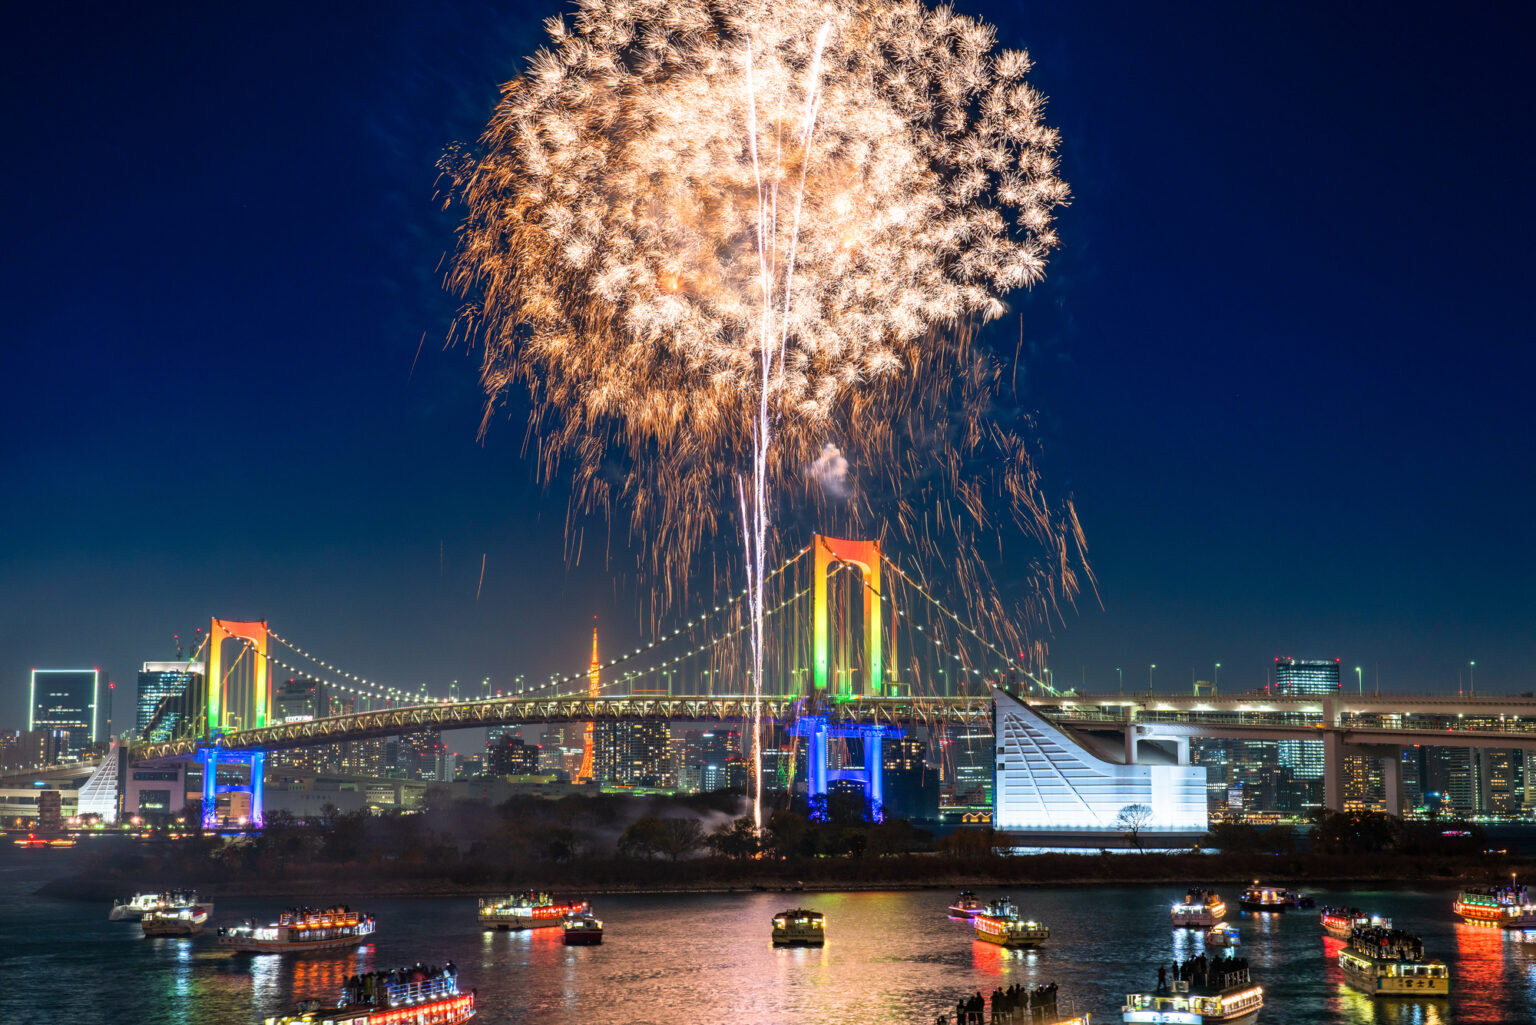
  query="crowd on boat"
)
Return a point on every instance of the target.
[
  {"x": 1502, "y": 894},
  {"x": 1012, "y": 1006},
  {"x": 379, "y": 989},
  {"x": 300, "y": 913},
  {"x": 1206, "y": 973},
  {"x": 1387, "y": 943}
]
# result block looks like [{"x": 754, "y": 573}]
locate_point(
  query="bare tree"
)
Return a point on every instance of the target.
[{"x": 1133, "y": 818}]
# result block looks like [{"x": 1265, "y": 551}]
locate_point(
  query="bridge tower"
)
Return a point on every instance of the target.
[
  {"x": 228, "y": 706},
  {"x": 827, "y": 687},
  {"x": 593, "y": 677},
  {"x": 831, "y": 551}
]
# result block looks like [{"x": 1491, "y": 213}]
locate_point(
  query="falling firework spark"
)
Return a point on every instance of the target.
[{"x": 713, "y": 234}]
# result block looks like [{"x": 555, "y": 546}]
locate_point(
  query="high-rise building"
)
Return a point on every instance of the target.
[
  {"x": 972, "y": 754},
  {"x": 164, "y": 683},
  {"x": 24, "y": 750},
  {"x": 65, "y": 699},
  {"x": 418, "y": 755},
  {"x": 1500, "y": 781},
  {"x": 1413, "y": 778},
  {"x": 715, "y": 750},
  {"x": 1215, "y": 756},
  {"x": 911, "y": 784},
  {"x": 298, "y": 699},
  {"x": 1448, "y": 780},
  {"x": 632, "y": 754},
  {"x": 514, "y": 758},
  {"x": 1364, "y": 786},
  {"x": 1303, "y": 677}
]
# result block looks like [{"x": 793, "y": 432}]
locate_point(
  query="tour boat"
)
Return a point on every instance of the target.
[
  {"x": 300, "y": 929},
  {"x": 1222, "y": 935},
  {"x": 582, "y": 931},
  {"x": 799, "y": 927},
  {"x": 1387, "y": 962},
  {"x": 529, "y": 911},
  {"x": 1297, "y": 899},
  {"x": 1508, "y": 907},
  {"x": 967, "y": 905},
  {"x": 186, "y": 920},
  {"x": 405, "y": 996},
  {"x": 1224, "y": 995},
  {"x": 1199, "y": 909},
  {"x": 1342, "y": 922},
  {"x": 1001, "y": 923},
  {"x": 1265, "y": 898},
  {"x": 134, "y": 907}
]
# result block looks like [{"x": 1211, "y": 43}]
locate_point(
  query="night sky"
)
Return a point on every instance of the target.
[{"x": 1282, "y": 361}]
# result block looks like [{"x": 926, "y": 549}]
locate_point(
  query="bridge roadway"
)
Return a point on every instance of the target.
[
  {"x": 527, "y": 711},
  {"x": 1335, "y": 706},
  {"x": 1372, "y": 721}
]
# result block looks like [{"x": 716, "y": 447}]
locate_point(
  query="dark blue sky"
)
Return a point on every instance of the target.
[{"x": 1282, "y": 360}]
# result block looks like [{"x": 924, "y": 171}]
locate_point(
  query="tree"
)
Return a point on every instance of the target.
[
  {"x": 683, "y": 836},
  {"x": 646, "y": 837},
  {"x": 971, "y": 842},
  {"x": 1133, "y": 818},
  {"x": 735, "y": 839}
]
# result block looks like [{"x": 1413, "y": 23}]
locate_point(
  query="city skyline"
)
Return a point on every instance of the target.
[{"x": 1286, "y": 431}]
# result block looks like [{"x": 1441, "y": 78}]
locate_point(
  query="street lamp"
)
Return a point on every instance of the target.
[
  {"x": 1121, "y": 674},
  {"x": 1150, "y": 669},
  {"x": 1472, "y": 678},
  {"x": 1359, "y": 681},
  {"x": 1216, "y": 678}
]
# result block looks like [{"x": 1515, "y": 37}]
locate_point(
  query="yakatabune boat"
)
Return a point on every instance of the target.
[
  {"x": 1002, "y": 924},
  {"x": 187, "y": 920},
  {"x": 1342, "y": 922},
  {"x": 1387, "y": 962},
  {"x": 300, "y": 929},
  {"x": 967, "y": 905},
  {"x": 1200, "y": 909},
  {"x": 134, "y": 907},
  {"x": 799, "y": 927},
  {"x": 1508, "y": 907},
  {"x": 405, "y": 996},
  {"x": 1222, "y": 935},
  {"x": 529, "y": 911},
  {"x": 582, "y": 931}
]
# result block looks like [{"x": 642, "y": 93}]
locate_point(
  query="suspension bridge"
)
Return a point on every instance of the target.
[{"x": 859, "y": 649}]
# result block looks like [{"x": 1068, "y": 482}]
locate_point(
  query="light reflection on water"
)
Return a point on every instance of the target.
[{"x": 890, "y": 958}]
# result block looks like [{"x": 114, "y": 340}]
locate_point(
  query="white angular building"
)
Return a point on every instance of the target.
[{"x": 1047, "y": 781}]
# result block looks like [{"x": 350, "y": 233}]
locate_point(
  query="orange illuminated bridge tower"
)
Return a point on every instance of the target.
[{"x": 586, "y": 773}]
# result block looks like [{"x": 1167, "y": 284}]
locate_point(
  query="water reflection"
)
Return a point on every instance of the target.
[
  {"x": 1000, "y": 963},
  {"x": 891, "y": 958},
  {"x": 322, "y": 976}
]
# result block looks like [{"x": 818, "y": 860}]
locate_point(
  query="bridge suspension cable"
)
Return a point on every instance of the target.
[
  {"x": 945, "y": 609},
  {"x": 393, "y": 693},
  {"x": 699, "y": 620}
]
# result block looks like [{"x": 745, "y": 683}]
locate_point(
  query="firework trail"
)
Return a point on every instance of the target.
[{"x": 713, "y": 235}]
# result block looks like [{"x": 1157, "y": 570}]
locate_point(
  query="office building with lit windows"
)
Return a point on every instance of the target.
[
  {"x": 65, "y": 699},
  {"x": 1303, "y": 677},
  {"x": 164, "y": 684}
]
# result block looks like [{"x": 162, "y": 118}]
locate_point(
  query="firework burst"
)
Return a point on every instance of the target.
[{"x": 715, "y": 235}]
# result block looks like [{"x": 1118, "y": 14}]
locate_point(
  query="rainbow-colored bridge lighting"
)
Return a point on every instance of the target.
[{"x": 866, "y": 556}]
